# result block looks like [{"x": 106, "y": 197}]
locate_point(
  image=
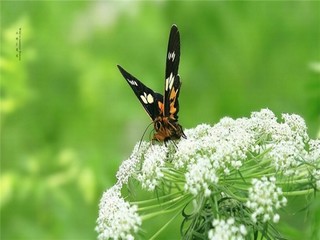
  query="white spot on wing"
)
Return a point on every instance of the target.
[
  {"x": 147, "y": 99},
  {"x": 143, "y": 98},
  {"x": 150, "y": 98},
  {"x": 132, "y": 82},
  {"x": 169, "y": 82},
  {"x": 171, "y": 56}
]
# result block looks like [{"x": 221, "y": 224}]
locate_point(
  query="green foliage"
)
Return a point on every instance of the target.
[{"x": 68, "y": 118}]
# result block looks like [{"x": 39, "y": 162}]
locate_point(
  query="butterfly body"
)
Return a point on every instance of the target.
[
  {"x": 167, "y": 129},
  {"x": 163, "y": 110}
]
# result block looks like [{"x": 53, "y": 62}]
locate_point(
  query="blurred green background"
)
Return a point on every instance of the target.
[{"x": 68, "y": 118}]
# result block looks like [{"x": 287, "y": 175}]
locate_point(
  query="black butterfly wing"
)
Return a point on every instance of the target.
[
  {"x": 172, "y": 79},
  {"x": 150, "y": 100}
]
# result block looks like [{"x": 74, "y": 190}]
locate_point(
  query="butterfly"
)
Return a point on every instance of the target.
[{"x": 163, "y": 110}]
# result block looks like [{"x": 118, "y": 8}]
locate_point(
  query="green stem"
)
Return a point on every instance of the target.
[
  {"x": 156, "y": 200},
  {"x": 172, "y": 201},
  {"x": 298, "y": 193},
  {"x": 154, "y": 214}
]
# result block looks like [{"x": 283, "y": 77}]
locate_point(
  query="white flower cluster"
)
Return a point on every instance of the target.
[
  {"x": 129, "y": 167},
  {"x": 263, "y": 123},
  {"x": 227, "y": 230},
  {"x": 314, "y": 152},
  {"x": 264, "y": 197},
  {"x": 209, "y": 152},
  {"x": 151, "y": 172},
  {"x": 150, "y": 159},
  {"x": 207, "y": 157},
  {"x": 288, "y": 143},
  {"x": 199, "y": 175},
  {"x": 117, "y": 218}
]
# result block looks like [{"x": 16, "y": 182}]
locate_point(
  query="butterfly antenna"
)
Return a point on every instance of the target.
[{"x": 144, "y": 134}]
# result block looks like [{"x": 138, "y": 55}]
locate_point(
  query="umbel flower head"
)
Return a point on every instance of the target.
[
  {"x": 264, "y": 197},
  {"x": 227, "y": 230},
  {"x": 117, "y": 218},
  {"x": 236, "y": 173}
]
